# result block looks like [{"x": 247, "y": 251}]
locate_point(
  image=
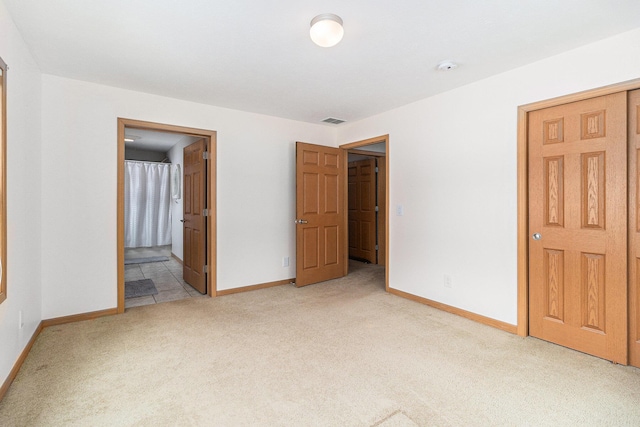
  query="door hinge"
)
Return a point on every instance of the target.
[
  {"x": 205, "y": 212},
  {"x": 205, "y": 269},
  {"x": 205, "y": 155},
  {"x": 377, "y": 247},
  {"x": 377, "y": 208},
  {"x": 376, "y": 169}
]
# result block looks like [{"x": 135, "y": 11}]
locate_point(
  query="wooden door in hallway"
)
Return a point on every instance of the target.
[
  {"x": 578, "y": 225},
  {"x": 320, "y": 214},
  {"x": 362, "y": 210},
  {"x": 634, "y": 227},
  {"x": 194, "y": 218}
]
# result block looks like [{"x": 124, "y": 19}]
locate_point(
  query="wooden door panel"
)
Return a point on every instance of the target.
[
  {"x": 593, "y": 291},
  {"x": 320, "y": 239},
  {"x": 366, "y": 236},
  {"x": 310, "y": 158},
  {"x": 554, "y": 284},
  {"x": 331, "y": 249},
  {"x": 196, "y": 207},
  {"x": 197, "y": 258},
  {"x": 554, "y": 191},
  {"x": 311, "y": 248},
  {"x": 634, "y": 227},
  {"x": 187, "y": 194},
  {"x": 331, "y": 194},
  {"x": 577, "y": 202},
  {"x": 593, "y": 194},
  {"x": 367, "y": 203},
  {"x": 311, "y": 193},
  {"x": 187, "y": 257},
  {"x": 354, "y": 232},
  {"x": 352, "y": 195},
  {"x": 331, "y": 160}
]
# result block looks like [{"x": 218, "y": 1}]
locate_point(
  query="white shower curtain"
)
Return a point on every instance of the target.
[{"x": 147, "y": 211}]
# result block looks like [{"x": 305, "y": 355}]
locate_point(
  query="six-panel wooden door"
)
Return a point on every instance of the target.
[
  {"x": 320, "y": 213},
  {"x": 362, "y": 210},
  {"x": 578, "y": 225},
  {"x": 194, "y": 222}
]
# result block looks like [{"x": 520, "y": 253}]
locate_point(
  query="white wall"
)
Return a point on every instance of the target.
[
  {"x": 176, "y": 156},
  {"x": 453, "y": 168},
  {"x": 23, "y": 196},
  {"x": 256, "y": 189}
]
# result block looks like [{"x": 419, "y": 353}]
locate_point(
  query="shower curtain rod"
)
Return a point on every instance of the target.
[{"x": 144, "y": 161}]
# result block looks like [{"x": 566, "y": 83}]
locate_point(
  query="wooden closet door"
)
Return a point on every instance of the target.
[
  {"x": 578, "y": 215},
  {"x": 634, "y": 228}
]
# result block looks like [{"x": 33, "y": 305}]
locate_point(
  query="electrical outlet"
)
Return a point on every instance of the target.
[
  {"x": 285, "y": 261},
  {"x": 448, "y": 283}
]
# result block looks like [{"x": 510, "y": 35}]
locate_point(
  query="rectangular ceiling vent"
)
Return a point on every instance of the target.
[{"x": 333, "y": 121}]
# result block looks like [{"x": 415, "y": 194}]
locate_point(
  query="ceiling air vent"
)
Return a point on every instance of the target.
[{"x": 333, "y": 121}]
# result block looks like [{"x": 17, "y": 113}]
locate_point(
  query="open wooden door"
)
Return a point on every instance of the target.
[
  {"x": 194, "y": 220},
  {"x": 578, "y": 225},
  {"x": 362, "y": 210},
  {"x": 320, "y": 213}
]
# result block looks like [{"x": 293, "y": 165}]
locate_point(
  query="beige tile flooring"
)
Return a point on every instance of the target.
[{"x": 166, "y": 275}]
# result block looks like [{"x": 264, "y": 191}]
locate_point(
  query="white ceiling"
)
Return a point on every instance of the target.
[{"x": 256, "y": 55}]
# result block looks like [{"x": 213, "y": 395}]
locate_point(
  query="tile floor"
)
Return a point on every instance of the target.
[{"x": 166, "y": 275}]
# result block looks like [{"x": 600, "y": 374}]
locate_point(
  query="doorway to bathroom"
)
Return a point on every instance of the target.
[{"x": 166, "y": 227}]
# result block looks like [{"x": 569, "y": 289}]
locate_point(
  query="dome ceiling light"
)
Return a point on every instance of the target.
[{"x": 326, "y": 30}]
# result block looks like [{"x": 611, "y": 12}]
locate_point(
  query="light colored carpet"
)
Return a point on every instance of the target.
[{"x": 340, "y": 353}]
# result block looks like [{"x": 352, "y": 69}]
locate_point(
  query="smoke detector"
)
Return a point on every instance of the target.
[{"x": 447, "y": 66}]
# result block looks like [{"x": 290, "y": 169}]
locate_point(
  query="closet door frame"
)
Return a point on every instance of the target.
[{"x": 522, "y": 192}]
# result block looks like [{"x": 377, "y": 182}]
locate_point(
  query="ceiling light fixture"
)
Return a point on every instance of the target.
[
  {"x": 326, "y": 30},
  {"x": 130, "y": 138}
]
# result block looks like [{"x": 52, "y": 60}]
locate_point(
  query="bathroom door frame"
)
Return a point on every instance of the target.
[{"x": 208, "y": 135}]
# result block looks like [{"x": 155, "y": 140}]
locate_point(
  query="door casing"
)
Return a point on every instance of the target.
[
  {"x": 210, "y": 203},
  {"x": 346, "y": 148}
]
